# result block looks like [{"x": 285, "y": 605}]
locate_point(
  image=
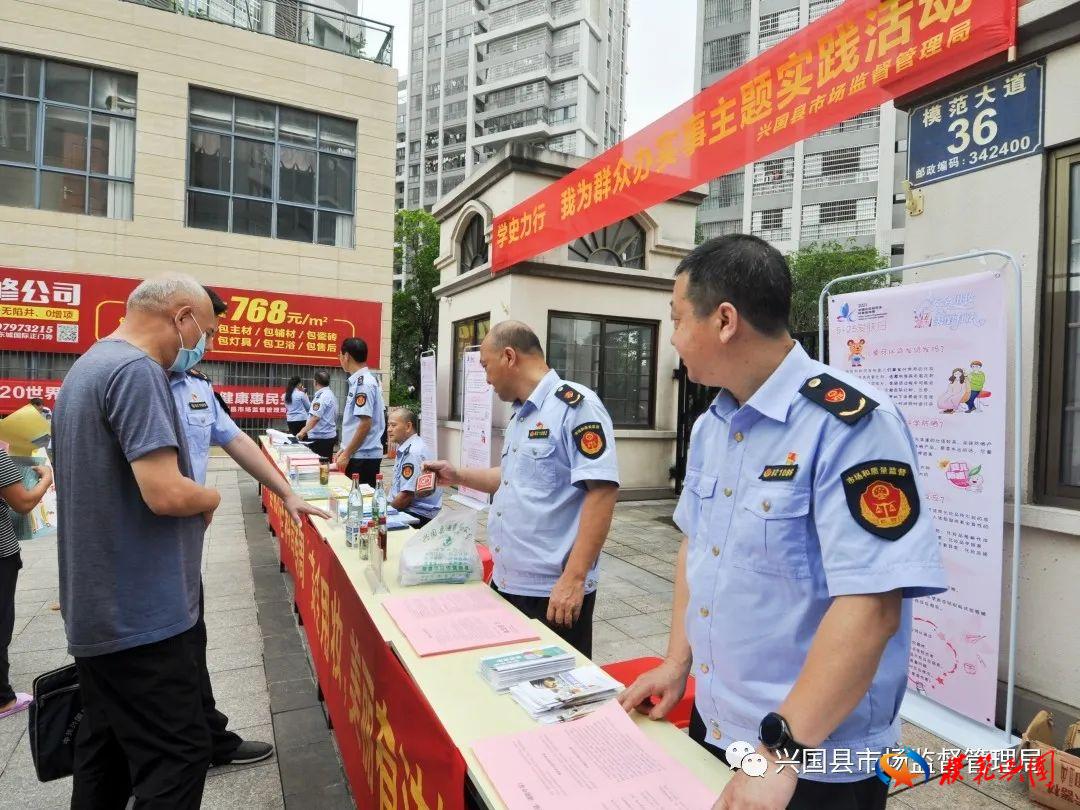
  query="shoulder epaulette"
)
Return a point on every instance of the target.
[
  {"x": 571, "y": 396},
  {"x": 198, "y": 375},
  {"x": 840, "y": 399}
]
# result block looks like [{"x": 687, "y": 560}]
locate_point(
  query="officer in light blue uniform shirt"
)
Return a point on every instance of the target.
[
  {"x": 363, "y": 416},
  {"x": 205, "y": 421},
  {"x": 297, "y": 405},
  {"x": 555, "y": 487},
  {"x": 806, "y": 541},
  {"x": 321, "y": 427},
  {"x": 412, "y": 452}
]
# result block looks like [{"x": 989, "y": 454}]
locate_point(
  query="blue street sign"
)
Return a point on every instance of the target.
[{"x": 992, "y": 122}]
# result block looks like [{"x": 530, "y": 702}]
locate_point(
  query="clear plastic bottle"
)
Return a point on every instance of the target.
[{"x": 355, "y": 515}]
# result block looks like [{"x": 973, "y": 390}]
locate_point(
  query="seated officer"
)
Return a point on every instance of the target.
[
  {"x": 401, "y": 425},
  {"x": 207, "y": 422},
  {"x": 805, "y": 543},
  {"x": 555, "y": 488}
]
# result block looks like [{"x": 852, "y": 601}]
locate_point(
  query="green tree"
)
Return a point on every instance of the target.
[
  {"x": 415, "y": 320},
  {"x": 813, "y": 266}
]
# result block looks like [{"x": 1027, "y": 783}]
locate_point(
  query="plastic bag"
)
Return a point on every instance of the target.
[{"x": 443, "y": 551}]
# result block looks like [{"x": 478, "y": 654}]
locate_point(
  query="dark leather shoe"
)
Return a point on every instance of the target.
[{"x": 246, "y": 753}]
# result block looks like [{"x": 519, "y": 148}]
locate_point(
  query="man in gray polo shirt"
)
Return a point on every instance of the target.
[{"x": 130, "y": 534}]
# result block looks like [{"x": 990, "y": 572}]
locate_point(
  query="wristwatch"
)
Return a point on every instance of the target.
[{"x": 775, "y": 734}]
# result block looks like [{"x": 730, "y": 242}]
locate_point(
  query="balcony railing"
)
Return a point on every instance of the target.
[
  {"x": 837, "y": 230},
  {"x": 772, "y": 234},
  {"x": 779, "y": 185},
  {"x": 841, "y": 178},
  {"x": 295, "y": 21}
]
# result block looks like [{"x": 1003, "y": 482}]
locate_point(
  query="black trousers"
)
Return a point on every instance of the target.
[
  {"x": 323, "y": 448},
  {"x": 535, "y": 607},
  {"x": 223, "y": 742},
  {"x": 296, "y": 426},
  {"x": 143, "y": 731},
  {"x": 366, "y": 468},
  {"x": 424, "y": 521},
  {"x": 9, "y": 575},
  {"x": 866, "y": 794}
]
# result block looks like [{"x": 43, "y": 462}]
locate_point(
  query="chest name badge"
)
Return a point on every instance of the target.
[
  {"x": 407, "y": 471},
  {"x": 198, "y": 405},
  {"x": 779, "y": 472},
  {"x": 882, "y": 497},
  {"x": 540, "y": 433},
  {"x": 590, "y": 440}
]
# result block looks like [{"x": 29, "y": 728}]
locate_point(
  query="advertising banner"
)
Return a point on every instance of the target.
[
  {"x": 938, "y": 350},
  {"x": 476, "y": 418},
  {"x": 429, "y": 414},
  {"x": 855, "y": 58},
  {"x": 14, "y": 393},
  {"x": 45, "y": 311}
]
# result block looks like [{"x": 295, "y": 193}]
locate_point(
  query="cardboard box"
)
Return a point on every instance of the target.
[{"x": 1063, "y": 792}]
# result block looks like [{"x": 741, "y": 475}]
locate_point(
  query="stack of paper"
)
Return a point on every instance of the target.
[
  {"x": 465, "y": 619},
  {"x": 503, "y": 671},
  {"x": 565, "y": 695}
]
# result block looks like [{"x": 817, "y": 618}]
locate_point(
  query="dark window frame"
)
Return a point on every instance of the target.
[
  {"x": 457, "y": 364},
  {"x": 653, "y": 363},
  {"x": 320, "y": 150},
  {"x": 1049, "y": 488},
  {"x": 42, "y": 104}
]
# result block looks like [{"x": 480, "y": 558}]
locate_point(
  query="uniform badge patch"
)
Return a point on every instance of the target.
[
  {"x": 540, "y": 433},
  {"x": 779, "y": 472},
  {"x": 361, "y": 400},
  {"x": 407, "y": 471},
  {"x": 569, "y": 395},
  {"x": 315, "y": 406},
  {"x": 882, "y": 497},
  {"x": 590, "y": 439},
  {"x": 841, "y": 400},
  {"x": 198, "y": 405}
]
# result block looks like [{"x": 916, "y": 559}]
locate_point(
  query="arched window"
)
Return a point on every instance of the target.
[
  {"x": 474, "y": 248},
  {"x": 618, "y": 245}
]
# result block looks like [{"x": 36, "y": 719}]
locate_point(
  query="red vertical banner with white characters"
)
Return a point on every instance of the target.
[{"x": 938, "y": 349}]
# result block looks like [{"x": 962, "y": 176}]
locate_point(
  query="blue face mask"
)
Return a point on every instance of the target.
[{"x": 187, "y": 359}]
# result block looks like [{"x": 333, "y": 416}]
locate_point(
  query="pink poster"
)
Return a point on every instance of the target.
[{"x": 938, "y": 350}]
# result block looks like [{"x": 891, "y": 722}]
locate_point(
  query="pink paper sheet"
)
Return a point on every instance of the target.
[
  {"x": 602, "y": 762},
  {"x": 457, "y": 620}
]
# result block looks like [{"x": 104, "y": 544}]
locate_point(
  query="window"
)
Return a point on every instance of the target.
[
  {"x": 774, "y": 176},
  {"x": 615, "y": 357},
  {"x": 564, "y": 143},
  {"x": 724, "y": 12},
  {"x": 856, "y": 164},
  {"x": 777, "y": 27},
  {"x": 724, "y": 54},
  {"x": 725, "y": 191},
  {"x": 1059, "y": 402},
  {"x": 467, "y": 333},
  {"x": 561, "y": 115},
  {"x": 67, "y": 137},
  {"x": 618, "y": 245},
  {"x": 819, "y": 8},
  {"x": 710, "y": 230},
  {"x": 871, "y": 119},
  {"x": 839, "y": 219},
  {"x": 474, "y": 247},
  {"x": 772, "y": 225},
  {"x": 266, "y": 170}
]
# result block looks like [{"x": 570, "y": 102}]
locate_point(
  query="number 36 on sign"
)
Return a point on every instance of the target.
[{"x": 991, "y": 122}]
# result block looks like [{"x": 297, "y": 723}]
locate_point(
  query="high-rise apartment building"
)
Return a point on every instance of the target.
[
  {"x": 842, "y": 184},
  {"x": 483, "y": 73}
]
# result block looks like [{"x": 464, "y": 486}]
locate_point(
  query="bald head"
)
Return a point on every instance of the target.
[{"x": 514, "y": 335}]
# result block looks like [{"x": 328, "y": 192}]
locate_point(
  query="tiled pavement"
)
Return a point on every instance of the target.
[{"x": 262, "y": 677}]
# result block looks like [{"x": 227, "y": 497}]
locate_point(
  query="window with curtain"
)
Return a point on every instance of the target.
[
  {"x": 615, "y": 357},
  {"x": 67, "y": 137},
  {"x": 467, "y": 333},
  {"x": 1058, "y": 415},
  {"x": 266, "y": 170}
]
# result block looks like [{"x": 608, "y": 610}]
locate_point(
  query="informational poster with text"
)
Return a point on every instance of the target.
[
  {"x": 429, "y": 415},
  {"x": 476, "y": 419}
]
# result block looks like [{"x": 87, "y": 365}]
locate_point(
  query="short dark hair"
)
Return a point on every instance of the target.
[
  {"x": 220, "y": 307},
  {"x": 322, "y": 378},
  {"x": 37, "y": 401},
  {"x": 356, "y": 348},
  {"x": 517, "y": 336},
  {"x": 747, "y": 272},
  {"x": 408, "y": 415}
]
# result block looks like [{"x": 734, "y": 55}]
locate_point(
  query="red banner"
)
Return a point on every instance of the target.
[
  {"x": 45, "y": 311},
  {"x": 856, "y": 57},
  {"x": 16, "y": 393},
  {"x": 395, "y": 750},
  {"x": 253, "y": 401}
]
